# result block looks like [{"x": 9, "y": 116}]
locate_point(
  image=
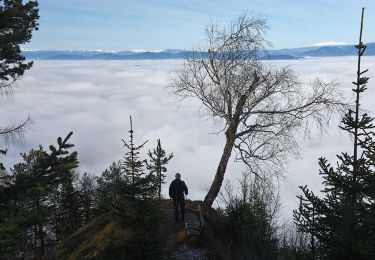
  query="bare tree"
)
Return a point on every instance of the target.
[
  {"x": 261, "y": 108},
  {"x": 251, "y": 209},
  {"x": 252, "y": 189}
]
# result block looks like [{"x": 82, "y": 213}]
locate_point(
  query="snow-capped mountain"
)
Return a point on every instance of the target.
[{"x": 140, "y": 54}]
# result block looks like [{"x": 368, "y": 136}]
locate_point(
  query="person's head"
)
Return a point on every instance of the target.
[{"x": 177, "y": 176}]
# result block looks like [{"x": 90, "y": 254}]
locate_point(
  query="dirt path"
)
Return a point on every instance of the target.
[{"x": 177, "y": 246}]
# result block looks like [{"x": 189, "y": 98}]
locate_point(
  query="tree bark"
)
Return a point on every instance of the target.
[
  {"x": 230, "y": 134},
  {"x": 41, "y": 238},
  {"x": 219, "y": 176}
]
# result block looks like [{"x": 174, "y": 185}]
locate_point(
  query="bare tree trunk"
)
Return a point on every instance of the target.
[
  {"x": 40, "y": 233},
  {"x": 219, "y": 176},
  {"x": 230, "y": 134},
  {"x": 160, "y": 181}
]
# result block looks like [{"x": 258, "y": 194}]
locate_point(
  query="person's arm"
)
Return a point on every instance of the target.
[{"x": 186, "y": 189}]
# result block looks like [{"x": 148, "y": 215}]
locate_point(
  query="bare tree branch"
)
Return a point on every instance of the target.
[{"x": 16, "y": 131}]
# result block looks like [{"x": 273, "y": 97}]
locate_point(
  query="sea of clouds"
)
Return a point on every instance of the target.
[{"x": 94, "y": 99}]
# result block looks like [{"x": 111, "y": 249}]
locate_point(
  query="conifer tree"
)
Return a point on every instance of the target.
[
  {"x": 110, "y": 187},
  {"x": 343, "y": 222},
  {"x": 139, "y": 184},
  {"x": 156, "y": 166},
  {"x": 68, "y": 215},
  {"x": 87, "y": 188},
  {"x": 30, "y": 204},
  {"x": 17, "y": 22}
]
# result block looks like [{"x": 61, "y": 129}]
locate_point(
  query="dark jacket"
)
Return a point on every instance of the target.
[{"x": 177, "y": 189}]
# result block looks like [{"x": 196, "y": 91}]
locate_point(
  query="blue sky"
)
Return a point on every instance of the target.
[{"x": 157, "y": 25}]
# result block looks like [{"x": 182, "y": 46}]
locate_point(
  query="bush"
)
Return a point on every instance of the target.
[
  {"x": 245, "y": 228},
  {"x": 143, "y": 219},
  {"x": 132, "y": 231}
]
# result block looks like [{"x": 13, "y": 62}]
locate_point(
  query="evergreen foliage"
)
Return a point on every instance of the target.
[
  {"x": 89, "y": 241},
  {"x": 253, "y": 233},
  {"x": 342, "y": 223},
  {"x": 158, "y": 159},
  {"x": 132, "y": 231},
  {"x": 139, "y": 184},
  {"x": 246, "y": 228},
  {"x": 44, "y": 201},
  {"x": 143, "y": 219},
  {"x": 37, "y": 182},
  {"x": 87, "y": 189},
  {"x": 67, "y": 208},
  {"x": 17, "y": 22},
  {"x": 110, "y": 187}
]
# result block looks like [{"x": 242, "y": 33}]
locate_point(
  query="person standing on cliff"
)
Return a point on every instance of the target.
[{"x": 177, "y": 192}]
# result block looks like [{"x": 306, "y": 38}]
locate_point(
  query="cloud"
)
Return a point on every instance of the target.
[
  {"x": 329, "y": 43},
  {"x": 94, "y": 99}
]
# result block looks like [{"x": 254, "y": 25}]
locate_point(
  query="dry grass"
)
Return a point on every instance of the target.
[{"x": 90, "y": 240}]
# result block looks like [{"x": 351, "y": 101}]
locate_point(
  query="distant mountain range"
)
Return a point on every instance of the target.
[{"x": 282, "y": 54}]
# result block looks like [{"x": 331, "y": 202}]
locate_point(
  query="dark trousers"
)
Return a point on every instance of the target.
[{"x": 181, "y": 202}]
